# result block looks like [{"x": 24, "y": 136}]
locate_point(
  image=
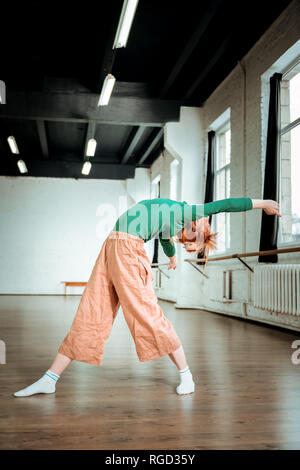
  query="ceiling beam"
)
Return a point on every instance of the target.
[
  {"x": 134, "y": 89},
  {"x": 132, "y": 143},
  {"x": 206, "y": 18},
  {"x": 90, "y": 134},
  {"x": 151, "y": 143},
  {"x": 43, "y": 137},
  {"x": 67, "y": 169},
  {"x": 82, "y": 107}
]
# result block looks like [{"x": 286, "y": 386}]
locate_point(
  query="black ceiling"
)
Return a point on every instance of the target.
[{"x": 54, "y": 57}]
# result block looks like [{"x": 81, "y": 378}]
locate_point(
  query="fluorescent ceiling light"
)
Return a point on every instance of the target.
[
  {"x": 22, "y": 166},
  {"x": 13, "y": 144},
  {"x": 91, "y": 148},
  {"x": 126, "y": 18},
  {"x": 107, "y": 89},
  {"x": 86, "y": 168}
]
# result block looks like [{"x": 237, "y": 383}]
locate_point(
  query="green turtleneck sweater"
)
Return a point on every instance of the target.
[{"x": 163, "y": 218}]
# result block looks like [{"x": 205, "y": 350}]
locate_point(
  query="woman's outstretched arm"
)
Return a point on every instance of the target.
[{"x": 233, "y": 204}]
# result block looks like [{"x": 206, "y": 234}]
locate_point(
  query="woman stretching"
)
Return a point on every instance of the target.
[{"x": 122, "y": 276}]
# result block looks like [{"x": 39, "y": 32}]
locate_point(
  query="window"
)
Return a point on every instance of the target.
[
  {"x": 289, "y": 223},
  {"x": 155, "y": 187},
  {"x": 174, "y": 180},
  {"x": 221, "y": 221}
]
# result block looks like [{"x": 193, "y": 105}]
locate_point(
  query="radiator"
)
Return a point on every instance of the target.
[{"x": 277, "y": 288}]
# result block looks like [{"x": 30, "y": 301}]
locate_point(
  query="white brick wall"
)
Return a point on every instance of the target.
[{"x": 52, "y": 228}]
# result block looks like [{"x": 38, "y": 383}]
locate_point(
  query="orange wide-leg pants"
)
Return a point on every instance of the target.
[{"x": 122, "y": 275}]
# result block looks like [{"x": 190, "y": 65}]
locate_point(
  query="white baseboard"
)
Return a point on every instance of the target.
[
  {"x": 186, "y": 306},
  {"x": 167, "y": 299}
]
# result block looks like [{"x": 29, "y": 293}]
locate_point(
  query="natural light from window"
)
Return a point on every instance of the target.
[
  {"x": 223, "y": 152},
  {"x": 289, "y": 225},
  {"x": 295, "y": 97}
]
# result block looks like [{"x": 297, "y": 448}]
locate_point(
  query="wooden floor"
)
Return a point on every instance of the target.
[{"x": 247, "y": 389}]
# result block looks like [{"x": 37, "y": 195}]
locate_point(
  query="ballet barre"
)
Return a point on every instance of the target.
[
  {"x": 239, "y": 257},
  {"x": 154, "y": 265}
]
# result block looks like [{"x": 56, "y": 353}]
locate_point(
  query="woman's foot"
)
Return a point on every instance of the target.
[
  {"x": 187, "y": 385},
  {"x": 45, "y": 384}
]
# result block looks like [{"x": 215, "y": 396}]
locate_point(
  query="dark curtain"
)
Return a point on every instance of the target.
[
  {"x": 210, "y": 175},
  {"x": 269, "y": 223},
  {"x": 155, "y": 251}
]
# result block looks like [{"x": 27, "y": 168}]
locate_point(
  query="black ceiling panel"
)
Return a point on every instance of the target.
[
  {"x": 159, "y": 33},
  {"x": 110, "y": 139},
  {"x": 66, "y": 137},
  {"x": 54, "y": 57}
]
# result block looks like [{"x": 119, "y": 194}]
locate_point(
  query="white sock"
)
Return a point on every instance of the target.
[
  {"x": 46, "y": 384},
  {"x": 187, "y": 384}
]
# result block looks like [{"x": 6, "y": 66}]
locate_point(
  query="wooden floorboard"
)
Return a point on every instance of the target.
[{"x": 247, "y": 389}]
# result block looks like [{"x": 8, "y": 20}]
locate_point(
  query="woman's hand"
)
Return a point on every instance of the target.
[
  {"x": 268, "y": 205},
  {"x": 173, "y": 262},
  {"x": 271, "y": 207}
]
